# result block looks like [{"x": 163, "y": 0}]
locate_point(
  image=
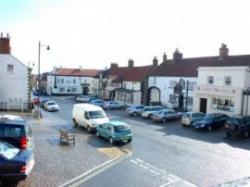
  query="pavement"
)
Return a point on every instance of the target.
[{"x": 159, "y": 155}]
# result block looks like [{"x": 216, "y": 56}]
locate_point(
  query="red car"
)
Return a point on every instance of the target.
[{"x": 35, "y": 101}]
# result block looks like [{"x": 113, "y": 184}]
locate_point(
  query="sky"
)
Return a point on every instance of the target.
[{"x": 94, "y": 33}]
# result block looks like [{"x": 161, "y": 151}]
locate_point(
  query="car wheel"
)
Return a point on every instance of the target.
[
  {"x": 150, "y": 116},
  {"x": 133, "y": 114},
  {"x": 75, "y": 123},
  {"x": 228, "y": 135},
  {"x": 164, "y": 120},
  {"x": 246, "y": 134},
  {"x": 88, "y": 129},
  {"x": 130, "y": 140},
  {"x": 111, "y": 140},
  {"x": 209, "y": 128}
]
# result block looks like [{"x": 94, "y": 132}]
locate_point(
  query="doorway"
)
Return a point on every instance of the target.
[{"x": 203, "y": 105}]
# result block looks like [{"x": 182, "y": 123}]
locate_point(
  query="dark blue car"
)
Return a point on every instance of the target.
[{"x": 15, "y": 164}]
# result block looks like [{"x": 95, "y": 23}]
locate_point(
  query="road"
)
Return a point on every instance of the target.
[{"x": 170, "y": 155}]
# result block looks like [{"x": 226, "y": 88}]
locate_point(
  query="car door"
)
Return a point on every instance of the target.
[{"x": 85, "y": 119}]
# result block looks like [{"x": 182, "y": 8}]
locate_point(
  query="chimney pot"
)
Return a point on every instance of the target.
[
  {"x": 114, "y": 65},
  {"x": 165, "y": 58},
  {"x": 155, "y": 61},
  {"x": 130, "y": 63},
  {"x": 177, "y": 55},
  {"x": 223, "y": 52},
  {"x": 5, "y": 44}
]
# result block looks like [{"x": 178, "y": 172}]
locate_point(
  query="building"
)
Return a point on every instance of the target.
[
  {"x": 222, "y": 89},
  {"x": 127, "y": 84},
  {"x": 174, "y": 81},
  {"x": 15, "y": 90},
  {"x": 66, "y": 81}
]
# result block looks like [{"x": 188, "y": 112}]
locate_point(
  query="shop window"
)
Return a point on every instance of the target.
[
  {"x": 210, "y": 80},
  {"x": 61, "y": 90},
  {"x": 228, "y": 81},
  {"x": 223, "y": 104}
]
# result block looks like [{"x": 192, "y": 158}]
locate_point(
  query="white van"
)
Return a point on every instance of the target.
[{"x": 88, "y": 116}]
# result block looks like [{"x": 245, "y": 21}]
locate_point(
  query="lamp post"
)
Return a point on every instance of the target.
[{"x": 38, "y": 83}]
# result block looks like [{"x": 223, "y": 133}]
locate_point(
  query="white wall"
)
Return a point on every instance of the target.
[
  {"x": 13, "y": 86},
  {"x": 164, "y": 84}
]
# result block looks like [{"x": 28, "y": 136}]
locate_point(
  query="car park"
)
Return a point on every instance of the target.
[
  {"x": 88, "y": 116},
  {"x": 135, "y": 110},
  {"x": 16, "y": 131},
  {"x": 115, "y": 131},
  {"x": 97, "y": 102},
  {"x": 109, "y": 105},
  {"x": 150, "y": 110},
  {"x": 165, "y": 115},
  {"x": 15, "y": 163},
  {"x": 211, "y": 121},
  {"x": 238, "y": 126},
  {"x": 51, "y": 106},
  {"x": 190, "y": 117}
]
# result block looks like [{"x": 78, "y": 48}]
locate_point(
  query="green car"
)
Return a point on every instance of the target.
[{"x": 115, "y": 131}]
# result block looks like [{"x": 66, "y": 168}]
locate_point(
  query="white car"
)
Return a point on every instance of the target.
[
  {"x": 150, "y": 110},
  {"x": 82, "y": 99},
  {"x": 51, "y": 106}
]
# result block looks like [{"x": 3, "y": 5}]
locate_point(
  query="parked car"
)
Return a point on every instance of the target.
[
  {"x": 51, "y": 106},
  {"x": 150, "y": 110},
  {"x": 238, "y": 126},
  {"x": 15, "y": 164},
  {"x": 88, "y": 116},
  {"x": 165, "y": 115},
  {"x": 16, "y": 131},
  {"x": 108, "y": 105},
  {"x": 35, "y": 101},
  {"x": 42, "y": 103},
  {"x": 190, "y": 117},
  {"x": 135, "y": 110},
  {"x": 115, "y": 131},
  {"x": 82, "y": 98},
  {"x": 97, "y": 102},
  {"x": 211, "y": 121}
]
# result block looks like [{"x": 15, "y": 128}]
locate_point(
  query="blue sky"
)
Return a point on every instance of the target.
[{"x": 94, "y": 33}]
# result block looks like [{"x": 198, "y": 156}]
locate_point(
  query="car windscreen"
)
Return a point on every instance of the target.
[
  {"x": 11, "y": 131},
  {"x": 121, "y": 128},
  {"x": 8, "y": 151},
  {"x": 96, "y": 114},
  {"x": 234, "y": 120},
  {"x": 51, "y": 103},
  {"x": 198, "y": 115},
  {"x": 208, "y": 117}
]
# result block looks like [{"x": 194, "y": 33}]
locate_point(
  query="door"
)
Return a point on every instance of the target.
[{"x": 203, "y": 105}]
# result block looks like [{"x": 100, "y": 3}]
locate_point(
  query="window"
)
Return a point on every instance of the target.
[
  {"x": 10, "y": 68},
  {"x": 61, "y": 89},
  {"x": 210, "y": 80},
  {"x": 74, "y": 81},
  {"x": 154, "y": 80},
  {"x": 191, "y": 85},
  {"x": 228, "y": 81},
  {"x": 73, "y": 89},
  {"x": 190, "y": 101},
  {"x": 62, "y": 81},
  {"x": 223, "y": 104}
]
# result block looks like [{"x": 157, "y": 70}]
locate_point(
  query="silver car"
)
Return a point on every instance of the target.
[
  {"x": 165, "y": 115},
  {"x": 190, "y": 117},
  {"x": 135, "y": 110}
]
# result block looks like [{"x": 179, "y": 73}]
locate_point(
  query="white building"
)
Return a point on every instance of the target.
[
  {"x": 168, "y": 83},
  {"x": 220, "y": 89},
  {"x": 65, "y": 81},
  {"x": 14, "y": 80}
]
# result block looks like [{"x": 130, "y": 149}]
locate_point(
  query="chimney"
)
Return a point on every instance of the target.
[
  {"x": 130, "y": 63},
  {"x": 155, "y": 61},
  {"x": 165, "y": 58},
  {"x": 224, "y": 51},
  {"x": 113, "y": 65},
  {"x": 4, "y": 44},
  {"x": 177, "y": 55}
]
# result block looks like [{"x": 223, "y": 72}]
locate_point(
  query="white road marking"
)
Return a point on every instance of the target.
[
  {"x": 133, "y": 161},
  {"x": 143, "y": 166}
]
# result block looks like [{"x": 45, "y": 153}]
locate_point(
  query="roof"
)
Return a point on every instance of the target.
[
  {"x": 77, "y": 72},
  {"x": 89, "y": 107},
  {"x": 188, "y": 67},
  {"x": 130, "y": 73},
  {"x": 12, "y": 119},
  {"x": 117, "y": 123}
]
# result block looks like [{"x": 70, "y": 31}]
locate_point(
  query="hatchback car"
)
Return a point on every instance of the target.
[
  {"x": 82, "y": 99},
  {"x": 190, "y": 117},
  {"x": 97, "y": 102},
  {"x": 211, "y": 121},
  {"x": 115, "y": 131},
  {"x": 51, "y": 106},
  {"x": 42, "y": 103},
  {"x": 16, "y": 131},
  {"x": 15, "y": 164},
  {"x": 150, "y": 110},
  {"x": 165, "y": 115},
  {"x": 108, "y": 105},
  {"x": 135, "y": 110},
  {"x": 238, "y": 126}
]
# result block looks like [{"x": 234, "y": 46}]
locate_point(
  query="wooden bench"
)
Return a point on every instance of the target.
[{"x": 66, "y": 137}]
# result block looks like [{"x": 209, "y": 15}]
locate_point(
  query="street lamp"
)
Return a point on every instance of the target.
[{"x": 38, "y": 83}]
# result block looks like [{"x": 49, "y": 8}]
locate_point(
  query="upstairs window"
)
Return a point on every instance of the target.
[
  {"x": 228, "y": 81},
  {"x": 62, "y": 81},
  {"x": 74, "y": 81},
  {"x": 154, "y": 80},
  {"x": 210, "y": 80},
  {"x": 10, "y": 68}
]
